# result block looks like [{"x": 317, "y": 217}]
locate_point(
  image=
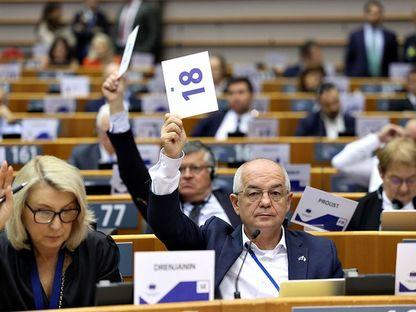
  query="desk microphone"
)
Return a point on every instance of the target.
[{"x": 254, "y": 235}]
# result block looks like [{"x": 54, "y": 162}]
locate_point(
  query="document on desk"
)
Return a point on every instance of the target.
[
  {"x": 173, "y": 276},
  {"x": 320, "y": 210},
  {"x": 406, "y": 269}
]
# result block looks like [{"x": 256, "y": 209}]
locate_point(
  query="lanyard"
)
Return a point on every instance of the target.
[
  {"x": 37, "y": 287},
  {"x": 251, "y": 252}
]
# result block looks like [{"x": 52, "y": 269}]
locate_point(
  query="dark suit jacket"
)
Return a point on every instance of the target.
[
  {"x": 409, "y": 50},
  {"x": 178, "y": 232},
  {"x": 208, "y": 127},
  {"x": 136, "y": 177},
  {"x": 313, "y": 125},
  {"x": 85, "y": 157},
  {"x": 401, "y": 105},
  {"x": 292, "y": 71},
  {"x": 367, "y": 215},
  {"x": 356, "y": 56}
]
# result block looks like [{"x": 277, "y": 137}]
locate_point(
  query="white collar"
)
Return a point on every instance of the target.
[{"x": 281, "y": 244}]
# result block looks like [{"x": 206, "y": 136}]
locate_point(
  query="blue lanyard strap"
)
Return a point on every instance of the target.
[
  {"x": 37, "y": 286},
  {"x": 252, "y": 254}
]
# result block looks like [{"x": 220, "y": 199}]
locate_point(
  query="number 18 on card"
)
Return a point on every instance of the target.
[{"x": 189, "y": 85}]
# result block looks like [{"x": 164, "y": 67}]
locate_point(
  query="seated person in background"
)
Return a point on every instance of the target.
[
  {"x": 50, "y": 256},
  {"x": 219, "y": 72},
  {"x": 94, "y": 156},
  {"x": 51, "y": 26},
  {"x": 131, "y": 102},
  {"x": 232, "y": 121},
  {"x": 101, "y": 52},
  {"x": 310, "y": 54},
  {"x": 261, "y": 197},
  {"x": 357, "y": 159},
  {"x": 5, "y": 112},
  {"x": 408, "y": 104},
  {"x": 199, "y": 200},
  {"x": 88, "y": 22},
  {"x": 397, "y": 166},
  {"x": 329, "y": 121},
  {"x": 311, "y": 78},
  {"x": 60, "y": 53}
]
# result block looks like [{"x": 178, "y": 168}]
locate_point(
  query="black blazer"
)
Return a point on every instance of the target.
[
  {"x": 178, "y": 232},
  {"x": 401, "y": 105},
  {"x": 136, "y": 177},
  {"x": 409, "y": 49},
  {"x": 356, "y": 55},
  {"x": 313, "y": 125},
  {"x": 367, "y": 215},
  {"x": 208, "y": 126}
]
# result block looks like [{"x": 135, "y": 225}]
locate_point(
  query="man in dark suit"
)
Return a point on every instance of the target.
[
  {"x": 328, "y": 121},
  {"x": 234, "y": 120},
  {"x": 397, "y": 166},
  {"x": 199, "y": 200},
  {"x": 409, "y": 103},
  {"x": 261, "y": 196},
  {"x": 310, "y": 57},
  {"x": 372, "y": 48},
  {"x": 96, "y": 155}
]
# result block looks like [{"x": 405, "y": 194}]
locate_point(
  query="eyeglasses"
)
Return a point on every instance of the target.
[
  {"x": 193, "y": 169},
  {"x": 254, "y": 195},
  {"x": 43, "y": 216},
  {"x": 397, "y": 182}
]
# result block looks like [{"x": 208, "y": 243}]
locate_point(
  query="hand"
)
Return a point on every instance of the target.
[
  {"x": 173, "y": 136},
  {"x": 6, "y": 178},
  {"x": 113, "y": 91},
  {"x": 389, "y": 132}
]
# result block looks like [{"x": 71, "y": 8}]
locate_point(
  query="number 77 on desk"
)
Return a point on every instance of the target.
[{"x": 189, "y": 85}]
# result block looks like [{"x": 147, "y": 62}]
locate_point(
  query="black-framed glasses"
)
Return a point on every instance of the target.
[
  {"x": 45, "y": 216},
  {"x": 255, "y": 194},
  {"x": 193, "y": 169}
]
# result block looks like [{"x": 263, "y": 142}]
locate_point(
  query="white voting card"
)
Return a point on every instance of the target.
[
  {"x": 323, "y": 211},
  {"x": 57, "y": 104},
  {"x": 39, "y": 129},
  {"x": 128, "y": 50},
  {"x": 173, "y": 276},
  {"x": 406, "y": 269},
  {"x": 75, "y": 86},
  {"x": 366, "y": 125},
  {"x": 189, "y": 85}
]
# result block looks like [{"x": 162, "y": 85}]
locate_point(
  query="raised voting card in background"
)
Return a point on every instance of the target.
[
  {"x": 320, "y": 210},
  {"x": 128, "y": 50},
  {"x": 189, "y": 85},
  {"x": 173, "y": 276}
]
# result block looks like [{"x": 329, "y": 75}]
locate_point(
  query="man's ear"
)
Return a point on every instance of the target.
[
  {"x": 234, "y": 202},
  {"x": 289, "y": 201}
]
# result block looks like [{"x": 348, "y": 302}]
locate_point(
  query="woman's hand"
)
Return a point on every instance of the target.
[{"x": 6, "y": 207}]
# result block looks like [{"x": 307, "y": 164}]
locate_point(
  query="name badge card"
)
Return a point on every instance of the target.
[
  {"x": 75, "y": 86},
  {"x": 263, "y": 127},
  {"x": 147, "y": 127},
  {"x": 10, "y": 71},
  {"x": 300, "y": 176},
  {"x": 189, "y": 85},
  {"x": 366, "y": 125},
  {"x": 320, "y": 210},
  {"x": 280, "y": 153},
  {"x": 39, "y": 129},
  {"x": 352, "y": 102},
  {"x": 154, "y": 103},
  {"x": 173, "y": 276},
  {"x": 52, "y": 105},
  {"x": 128, "y": 50},
  {"x": 406, "y": 269}
]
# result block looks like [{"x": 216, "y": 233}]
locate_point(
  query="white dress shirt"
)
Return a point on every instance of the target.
[
  {"x": 229, "y": 124},
  {"x": 388, "y": 205},
  {"x": 357, "y": 161},
  {"x": 412, "y": 99},
  {"x": 333, "y": 126},
  {"x": 253, "y": 282}
]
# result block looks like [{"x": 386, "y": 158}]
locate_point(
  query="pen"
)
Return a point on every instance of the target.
[{"x": 14, "y": 191}]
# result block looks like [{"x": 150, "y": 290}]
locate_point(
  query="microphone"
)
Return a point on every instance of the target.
[{"x": 254, "y": 235}]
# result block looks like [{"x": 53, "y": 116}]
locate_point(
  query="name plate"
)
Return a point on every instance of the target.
[
  {"x": 147, "y": 127},
  {"x": 154, "y": 103},
  {"x": 10, "y": 71},
  {"x": 366, "y": 125},
  {"x": 150, "y": 153},
  {"x": 352, "y": 102},
  {"x": 75, "y": 86},
  {"x": 52, "y": 105},
  {"x": 19, "y": 154},
  {"x": 115, "y": 215},
  {"x": 406, "y": 269},
  {"x": 279, "y": 153},
  {"x": 125, "y": 265},
  {"x": 326, "y": 151},
  {"x": 320, "y": 210},
  {"x": 39, "y": 129},
  {"x": 173, "y": 276},
  {"x": 263, "y": 127},
  {"x": 299, "y": 175}
]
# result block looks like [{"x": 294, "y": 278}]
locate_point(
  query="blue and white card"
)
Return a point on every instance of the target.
[
  {"x": 128, "y": 50},
  {"x": 406, "y": 269},
  {"x": 189, "y": 85},
  {"x": 75, "y": 86},
  {"x": 279, "y": 153},
  {"x": 263, "y": 127},
  {"x": 57, "y": 104},
  {"x": 39, "y": 129},
  {"x": 299, "y": 175},
  {"x": 320, "y": 210},
  {"x": 173, "y": 276},
  {"x": 365, "y": 125}
]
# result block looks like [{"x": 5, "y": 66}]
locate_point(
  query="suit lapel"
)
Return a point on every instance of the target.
[
  {"x": 297, "y": 256},
  {"x": 231, "y": 250}
]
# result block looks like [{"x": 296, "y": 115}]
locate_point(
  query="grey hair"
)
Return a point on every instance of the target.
[
  {"x": 197, "y": 146},
  {"x": 238, "y": 177}
]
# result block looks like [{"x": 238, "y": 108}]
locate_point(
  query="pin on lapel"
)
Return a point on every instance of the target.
[{"x": 302, "y": 258}]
